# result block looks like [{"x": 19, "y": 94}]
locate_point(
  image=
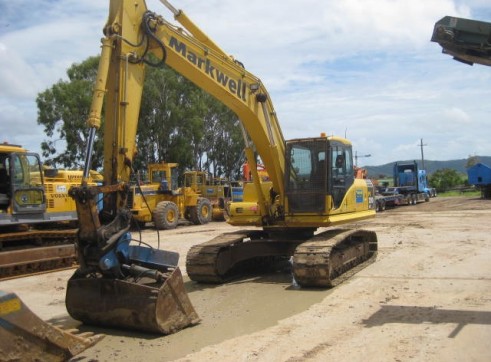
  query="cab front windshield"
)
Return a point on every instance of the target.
[{"x": 26, "y": 170}]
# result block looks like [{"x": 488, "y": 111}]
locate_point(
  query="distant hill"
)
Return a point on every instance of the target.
[{"x": 430, "y": 166}]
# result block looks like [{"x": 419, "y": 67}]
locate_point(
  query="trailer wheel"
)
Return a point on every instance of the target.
[{"x": 380, "y": 205}]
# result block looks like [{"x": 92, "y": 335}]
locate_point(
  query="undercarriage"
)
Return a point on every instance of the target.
[{"x": 321, "y": 260}]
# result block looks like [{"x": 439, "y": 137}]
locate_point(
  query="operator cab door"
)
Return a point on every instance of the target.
[
  {"x": 341, "y": 174},
  {"x": 306, "y": 175},
  {"x": 27, "y": 187},
  {"x": 315, "y": 169}
]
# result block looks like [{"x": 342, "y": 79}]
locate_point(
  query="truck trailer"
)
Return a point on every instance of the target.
[{"x": 410, "y": 187}]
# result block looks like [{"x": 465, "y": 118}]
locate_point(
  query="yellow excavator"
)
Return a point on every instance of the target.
[
  {"x": 127, "y": 284},
  {"x": 38, "y": 218},
  {"x": 37, "y": 232},
  {"x": 311, "y": 184}
]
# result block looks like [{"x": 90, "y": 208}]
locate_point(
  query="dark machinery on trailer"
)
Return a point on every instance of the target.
[{"x": 468, "y": 41}]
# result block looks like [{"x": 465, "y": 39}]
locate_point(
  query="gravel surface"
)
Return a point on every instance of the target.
[{"x": 427, "y": 297}]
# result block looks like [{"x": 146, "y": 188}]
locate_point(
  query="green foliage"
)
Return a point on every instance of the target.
[
  {"x": 63, "y": 110},
  {"x": 179, "y": 122},
  {"x": 445, "y": 179}
]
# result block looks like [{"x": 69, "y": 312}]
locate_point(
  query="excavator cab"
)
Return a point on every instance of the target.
[
  {"x": 318, "y": 170},
  {"x": 22, "y": 195}
]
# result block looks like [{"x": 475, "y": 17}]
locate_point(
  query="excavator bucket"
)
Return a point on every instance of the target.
[
  {"x": 25, "y": 337},
  {"x": 122, "y": 285},
  {"x": 146, "y": 305}
]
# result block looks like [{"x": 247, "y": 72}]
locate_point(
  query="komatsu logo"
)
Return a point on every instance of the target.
[{"x": 235, "y": 86}]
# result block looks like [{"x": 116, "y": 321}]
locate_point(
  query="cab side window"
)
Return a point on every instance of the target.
[{"x": 341, "y": 172}]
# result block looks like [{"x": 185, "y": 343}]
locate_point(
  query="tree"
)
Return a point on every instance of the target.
[
  {"x": 445, "y": 179},
  {"x": 224, "y": 142},
  {"x": 157, "y": 126},
  {"x": 178, "y": 122},
  {"x": 63, "y": 110}
]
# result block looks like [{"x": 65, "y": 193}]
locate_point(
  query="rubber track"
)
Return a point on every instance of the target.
[
  {"x": 331, "y": 257},
  {"x": 202, "y": 259},
  {"x": 50, "y": 250},
  {"x": 325, "y": 260},
  {"x": 38, "y": 235}
]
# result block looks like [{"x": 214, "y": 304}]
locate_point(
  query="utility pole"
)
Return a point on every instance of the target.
[
  {"x": 422, "y": 155},
  {"x": 356, "y": 157}
]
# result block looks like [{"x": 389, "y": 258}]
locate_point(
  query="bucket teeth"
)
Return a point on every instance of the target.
[{"x": 25, "y": 337}]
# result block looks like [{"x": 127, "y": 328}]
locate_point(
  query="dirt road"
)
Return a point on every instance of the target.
[{"x": 427, "y": 297}]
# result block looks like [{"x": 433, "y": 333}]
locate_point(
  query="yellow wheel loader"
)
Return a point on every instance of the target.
[
  {"x": 218, "y": 191},
  {"x": 163, "y": 202}
]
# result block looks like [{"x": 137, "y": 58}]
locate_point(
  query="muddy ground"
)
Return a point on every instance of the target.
[{"x": 427, "y": 297}]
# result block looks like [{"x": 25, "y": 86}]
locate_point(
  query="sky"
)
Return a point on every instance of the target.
[{"x": 361, "y": 69}]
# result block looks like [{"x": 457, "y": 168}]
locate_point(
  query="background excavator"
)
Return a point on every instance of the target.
[
  {"x": 37, "y": 232},
  {"x": 38, "y": 218},
  {"x": 124, "y": 283}
]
